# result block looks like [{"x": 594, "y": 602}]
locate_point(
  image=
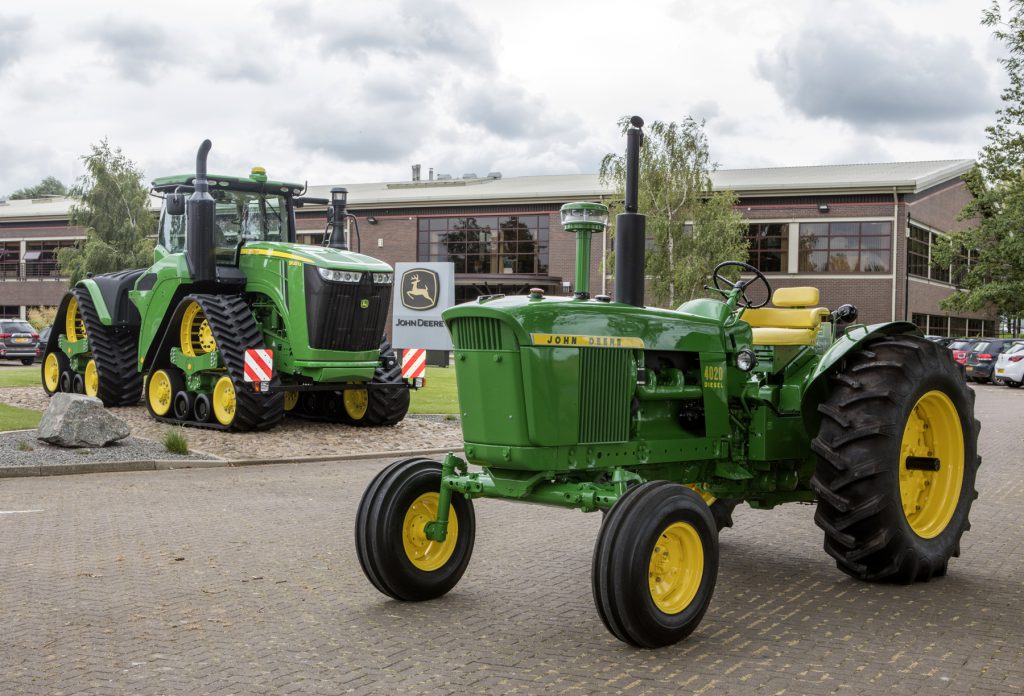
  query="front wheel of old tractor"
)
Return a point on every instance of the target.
[
  {"x": 393, "y": 549},
  {"x": 655, "y": 564},
  {"x": 897, "y": 458}
]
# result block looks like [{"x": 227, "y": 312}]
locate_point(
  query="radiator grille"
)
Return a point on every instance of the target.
[
  {"x": 607, "y": 380},
  {"x": 335, "y": 317},
  {"x": 477, "y": 333}
]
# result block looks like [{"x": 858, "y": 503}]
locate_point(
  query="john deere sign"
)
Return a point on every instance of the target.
[{"x": 422, "y": 292}]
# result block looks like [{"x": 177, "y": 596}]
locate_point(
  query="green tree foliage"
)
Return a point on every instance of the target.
[
  {"x": 113, "y": 207},
  {"x": 691, "y": 228},
  {"x": 50, "y": 186},
  {"x": 995, "y": 277}
]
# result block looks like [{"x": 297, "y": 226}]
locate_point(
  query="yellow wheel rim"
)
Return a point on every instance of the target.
[
  {"x": 51, "y": 372},
  {"x": 930, "y": 498},
  {"x": 423, "y": 552},
  {"x": 92, "y": 379},
  {"x": 159, "y": 392},
  {"x": 356, "y": 402},
  {"x": 676, "y": 567},
  {"x": 291, "y": 400},
  {"x": 224, "y": 401},
  {"x": 74, "y": 325},
  {"x": 195, "y": 332}
]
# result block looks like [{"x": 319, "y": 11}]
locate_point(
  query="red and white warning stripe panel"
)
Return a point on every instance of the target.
[
  {"x": 259, "y": 365},
  {"x": 414, "y": 363}
]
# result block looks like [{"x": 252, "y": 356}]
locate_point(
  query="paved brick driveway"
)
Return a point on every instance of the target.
[{"x": 245, "y": 581}]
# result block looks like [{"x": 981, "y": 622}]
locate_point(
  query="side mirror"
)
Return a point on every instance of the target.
[{"x": 174, "y": 203}]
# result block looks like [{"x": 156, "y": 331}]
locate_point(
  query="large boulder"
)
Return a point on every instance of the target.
[{"x": 76, "y": 420}]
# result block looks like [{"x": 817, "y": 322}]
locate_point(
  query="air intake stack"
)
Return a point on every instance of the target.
[
  {"x": 337, "y": 214},
  {"x": 202, "y": 211},
  {"x": 630, "y": 226}
]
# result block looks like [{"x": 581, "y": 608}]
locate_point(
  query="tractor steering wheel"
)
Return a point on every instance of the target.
[{"x": 741, "y": 285}]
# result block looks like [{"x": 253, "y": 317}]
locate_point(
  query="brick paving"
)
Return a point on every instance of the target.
[
  {"x": 292, "y": 437},
  {"x": 242, "y": 581}
]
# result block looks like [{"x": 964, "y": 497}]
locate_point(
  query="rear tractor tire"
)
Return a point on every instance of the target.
[
  {"x": 655, "y": 564},
  {"x": 897, "y": 458},
  {"x": 393, "y": 550}
]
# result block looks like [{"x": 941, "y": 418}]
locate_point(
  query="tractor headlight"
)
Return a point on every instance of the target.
[
  {"x": 383, "y": 278},
  {"x": 746, "y": 360},
  {"x": 339, "y": 276}
]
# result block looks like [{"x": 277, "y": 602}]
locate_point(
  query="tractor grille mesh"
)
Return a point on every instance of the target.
[
  {"x": 477, "y": 333},
  {"x": 336, "y": 318},
  {"x": 607, "y": 380}
]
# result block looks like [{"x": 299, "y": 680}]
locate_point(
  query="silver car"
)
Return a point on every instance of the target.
[{"x": 18, "y": 341}]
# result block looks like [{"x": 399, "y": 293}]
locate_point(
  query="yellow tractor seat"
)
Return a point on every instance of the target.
[{"x": 793, "y": 321}]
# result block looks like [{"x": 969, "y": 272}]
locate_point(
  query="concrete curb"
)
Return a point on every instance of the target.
[{"x": 171, "y": 464}]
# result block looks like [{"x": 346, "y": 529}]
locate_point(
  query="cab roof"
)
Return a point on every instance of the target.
[{"x": 232, "y": 183}]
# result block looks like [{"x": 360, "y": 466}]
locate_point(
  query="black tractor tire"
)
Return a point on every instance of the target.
[
  {"x": 383, "y": 525},
  {"x": 862, "y": 450},
  {"x": 386, "y": 406},
  {"x": 722, "y": 510},
  {"x": 646, "y": 521},
  {"x": 115, "y": 351}
]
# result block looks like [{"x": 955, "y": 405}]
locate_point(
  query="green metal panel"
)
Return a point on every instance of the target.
[
  {"x": 552, "y": 399},
  {"x": 97, "y": 300}
]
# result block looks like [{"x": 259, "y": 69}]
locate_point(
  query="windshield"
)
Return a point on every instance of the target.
[
  {"x": 17, "y": 327},
  {"x": 255, "y": 217}
]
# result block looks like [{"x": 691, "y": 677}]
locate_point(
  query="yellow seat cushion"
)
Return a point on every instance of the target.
[
  {"x": 770, "y": 336},
  {"x": 799, "y": 318},
  {"x": 795, "y": 297}
]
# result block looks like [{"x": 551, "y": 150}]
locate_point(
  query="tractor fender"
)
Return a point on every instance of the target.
[
  {"x": 90, "y": 286},
  {"x": 816, "y": 388}
]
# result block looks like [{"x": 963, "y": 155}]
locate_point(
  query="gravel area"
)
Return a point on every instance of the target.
[
  {"x": 294, "y": 437},
  {"x": 21, "y": 448}
]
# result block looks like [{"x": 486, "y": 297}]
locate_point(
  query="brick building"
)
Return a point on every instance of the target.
[{"x": 862, "y": 233}]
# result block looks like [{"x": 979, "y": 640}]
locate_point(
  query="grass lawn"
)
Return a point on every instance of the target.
[
  {"x": 439, "y": 395},
  {"x": 19, "y": 376},
  {"x": 13, "y": 418}
]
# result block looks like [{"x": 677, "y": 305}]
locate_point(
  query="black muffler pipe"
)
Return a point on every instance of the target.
[
  {"x": 199, "y": 236},
  {"x": 335, "y": 238},
  {"x": 630, "y": 227}
]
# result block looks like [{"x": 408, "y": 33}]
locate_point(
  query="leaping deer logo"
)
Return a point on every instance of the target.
[{"x": 419, "y": 289}]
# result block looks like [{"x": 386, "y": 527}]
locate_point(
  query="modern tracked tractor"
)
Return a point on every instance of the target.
[
  {"x": 235, "y": 323},
  {"x": 666, "y": 419}
]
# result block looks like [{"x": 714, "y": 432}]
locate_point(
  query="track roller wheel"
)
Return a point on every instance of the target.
[
  {"x": 182, "y": 405},
  {"x": 55, "y": 364},
  {"x": 393, "y": 550},
  {"x": 225, "y": 401},
  {"x": 897, "y": 458},
  {"x": 291, "y": 400},
  {"x": 655, "y": 564},
  {"x": 161, "y": 386},
  {"x": 203, "y": 408}
]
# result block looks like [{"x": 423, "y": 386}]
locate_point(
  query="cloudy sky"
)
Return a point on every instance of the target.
[{"x": 345, "y": 92}]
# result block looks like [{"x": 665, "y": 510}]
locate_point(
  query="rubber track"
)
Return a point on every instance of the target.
[
  {"x": 856, "y": 484},
  {"x": 115, "y": 351},
  {"x": 235, "y": 330},
  {"x": 387, "y": 406}
]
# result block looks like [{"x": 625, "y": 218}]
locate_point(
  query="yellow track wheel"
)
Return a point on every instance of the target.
[
  {"x": 933, "y": 434},
  {"x": 51, "y": 373},
  {"x": 74, "y": 325},
  {"x": 195, "y": 333},
  {"x": 676, "y": 568},
  {"x": 424, "y": 553},
  {"x": 92, "y": 379},
  {"x": 356, "y": 402},
  {"x": 291, "y": 400},
  {"x": 224, "y": 400},
  {"x": 160, "y": 392}
]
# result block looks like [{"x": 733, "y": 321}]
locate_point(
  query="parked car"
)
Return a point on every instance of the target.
[
  {"x": 44, "y": 335},
  {"x": 981, "y": 360},
  {"x": 960, "y": 348},
  {"x": 1010, "y": 366},
  {"x": 941, "y": 340},
  {"x": 18, "y": 341}
]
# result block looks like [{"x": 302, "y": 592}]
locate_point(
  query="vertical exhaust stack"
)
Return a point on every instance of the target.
[
  {"x": 202, "y": 211},
  {"x": 336, "y": 219},
  {"x": 630, "y": 227}
]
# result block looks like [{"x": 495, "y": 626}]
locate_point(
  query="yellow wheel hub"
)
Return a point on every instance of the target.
[
  {"x": 51, "y": 372},
  {"x": 224, "y": 400},
  {"x": 196, "y": 335},
  {"x": 676, "y": 568},
  {"x": 291, "y": 400},
  {"x": 933, "y": 431},
  {"x": 92, "y": 379},
  {"x": 74, "y": 325},
  {"x": 356, "y": 402},
  {"x": 423, "y": 552},
  {"x": 159, "y": 392}
]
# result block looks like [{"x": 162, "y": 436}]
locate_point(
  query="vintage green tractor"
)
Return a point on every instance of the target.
[
  {"x": 235, "y": 323},
  {"x": 667, "y": 419}
]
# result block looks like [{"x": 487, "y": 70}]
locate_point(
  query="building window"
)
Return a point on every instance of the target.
[
  {"x": 845, "y": 247},
  {"x": 495, "y": 245},
  {"x": 10, "y": 312},
  {"x": 920, "y": 321},
  {"x": 10, "y": 260},
  {"x": 769, "y": 244},
  {"x": 918, "y": 251},
  {"x": 957, "y": 326},
  {"x": 41, "y": 257},
  {"x": 938, "y": 325}
]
